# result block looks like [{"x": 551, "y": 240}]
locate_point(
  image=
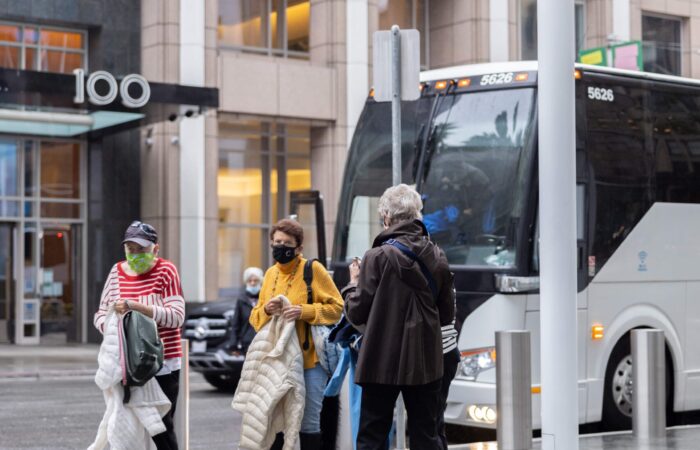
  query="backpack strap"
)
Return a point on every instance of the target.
[
  {"x": 308, "y": 279},
  {"x": 408, "y": 252}
]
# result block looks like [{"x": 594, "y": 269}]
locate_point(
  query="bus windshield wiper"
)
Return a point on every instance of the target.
[{"x": 428, "y": 137}]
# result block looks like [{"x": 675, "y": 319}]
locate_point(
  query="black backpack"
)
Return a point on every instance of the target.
[
  {"x": 142, "y": 350},
  {"x": 308, "y": 279}
]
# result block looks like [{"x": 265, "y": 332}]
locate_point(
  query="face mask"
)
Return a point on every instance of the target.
[
  {"x": 283, "y": 254},
  {"x": 140, "y": 262},
  {"x": 253, "y": 290}
]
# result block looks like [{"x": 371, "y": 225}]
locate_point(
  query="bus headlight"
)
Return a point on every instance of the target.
[
  {"x": 482, "y": 414},
  {"x": 476, "y": 361}
]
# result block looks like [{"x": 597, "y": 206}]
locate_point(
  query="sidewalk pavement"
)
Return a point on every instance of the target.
[{"x": 27, "y": 362}]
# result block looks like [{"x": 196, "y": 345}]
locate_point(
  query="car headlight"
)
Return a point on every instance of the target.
[
  {"x": 473, "y": 362},
  {"x": 229, "y": 314}
]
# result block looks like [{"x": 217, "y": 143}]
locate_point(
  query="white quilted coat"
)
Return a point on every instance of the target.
[
  {"x": 271, "y": 392},
  {"x": 130, "y": 426}
]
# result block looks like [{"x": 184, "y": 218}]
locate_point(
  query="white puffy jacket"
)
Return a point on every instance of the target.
[
  {"x": 130, "y": 426},
  {"x": 271, "y": 392}
]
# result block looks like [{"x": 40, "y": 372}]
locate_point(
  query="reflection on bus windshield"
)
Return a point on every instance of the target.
[{"x": 474, "y": 184}]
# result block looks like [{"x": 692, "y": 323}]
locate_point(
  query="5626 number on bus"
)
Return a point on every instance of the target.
[{"x": 601, "y": 94}]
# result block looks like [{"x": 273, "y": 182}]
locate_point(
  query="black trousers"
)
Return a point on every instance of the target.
[
  {"x": 450, "y": 364},
  {"x": 170, "y": 384},
  {"x": 377, "y": 409}
]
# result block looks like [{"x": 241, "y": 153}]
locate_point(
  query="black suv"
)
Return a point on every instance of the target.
[{"x": 213, "y": 352}]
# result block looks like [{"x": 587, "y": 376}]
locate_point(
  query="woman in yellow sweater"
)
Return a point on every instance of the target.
[{"x": 286, "y": 278}]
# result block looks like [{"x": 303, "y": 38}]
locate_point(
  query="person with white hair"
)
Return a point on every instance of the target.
[
  {"x": 399, "y": 297},
  {"x": 243, "y": 332}
]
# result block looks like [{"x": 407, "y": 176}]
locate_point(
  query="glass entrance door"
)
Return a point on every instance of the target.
[
  {"x": 59, "y": 288},
  {"x": 7, "y": 281}
]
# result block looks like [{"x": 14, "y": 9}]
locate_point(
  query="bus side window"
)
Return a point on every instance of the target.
[
  {"x": 620, "y": 166},
  {"x": 676, "y": 146}
]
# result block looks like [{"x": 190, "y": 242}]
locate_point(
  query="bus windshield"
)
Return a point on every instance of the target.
[
  {"x": 476, "y": 178},
  {"x": 368, "y": 172},
  {"x": 473, "y": 182}
]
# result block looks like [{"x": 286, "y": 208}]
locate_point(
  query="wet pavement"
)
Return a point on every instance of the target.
[
  {"x": 63, "y": 413},
  {"x": 17, "y": 361},
  {"x": 678, "y": 438},
  {"x": 44, "y": 403}
]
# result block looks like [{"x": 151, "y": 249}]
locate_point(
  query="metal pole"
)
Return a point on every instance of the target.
[
  {"x": 649, "y": 390},
  {"x": 557, "y": 210},
  {"x": 396, "y": 179},
  {"x": 513, "y": 397},
  {"x": 182, "y": 410},
  {"x": 395, "y": 105}
]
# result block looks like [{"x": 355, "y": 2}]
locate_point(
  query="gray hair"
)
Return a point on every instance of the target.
[
  {"x": 400, "y": 204},
  {"x": 252, "y": 271}
]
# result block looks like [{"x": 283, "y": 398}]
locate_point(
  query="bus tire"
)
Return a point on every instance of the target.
[{"x": 617, "y": 406}]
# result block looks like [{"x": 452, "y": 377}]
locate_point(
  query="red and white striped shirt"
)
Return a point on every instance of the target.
[{"x": 159, "y": 288}]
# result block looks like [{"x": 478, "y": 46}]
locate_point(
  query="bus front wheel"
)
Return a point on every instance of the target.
[{"x": 617, "y": 396}]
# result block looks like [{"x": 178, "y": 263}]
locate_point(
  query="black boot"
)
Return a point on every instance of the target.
[
  {"x": 279, "y": 442},
  {"x": 310, "y": 441}
]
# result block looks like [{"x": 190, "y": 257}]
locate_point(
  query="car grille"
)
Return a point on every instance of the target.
[{"x": 213, "y": 329}]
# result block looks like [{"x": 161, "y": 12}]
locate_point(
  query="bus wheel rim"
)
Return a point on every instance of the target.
[{"x": 622, "y": 386}]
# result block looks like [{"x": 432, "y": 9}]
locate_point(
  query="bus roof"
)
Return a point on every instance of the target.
[{"x": 456, "y": 72}]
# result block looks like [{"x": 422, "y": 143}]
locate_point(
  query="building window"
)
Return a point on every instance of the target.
[
  {"x": 273, "y": 27},
  {"x": 661, "y": 37},
  {"x": 407, "y": 14},
  {"x": 45, "y": 49},
  {"x": 259, "y": 164},
  {"x": 528, "y": 28}
]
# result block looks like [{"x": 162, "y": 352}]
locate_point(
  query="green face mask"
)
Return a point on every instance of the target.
[{"x": 140, "y": 262}]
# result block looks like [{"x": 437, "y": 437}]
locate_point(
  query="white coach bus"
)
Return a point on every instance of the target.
[{"x": 470, "y": 147}]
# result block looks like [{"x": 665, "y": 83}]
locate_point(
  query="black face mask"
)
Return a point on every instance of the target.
[{"x": 283, "y": 254}]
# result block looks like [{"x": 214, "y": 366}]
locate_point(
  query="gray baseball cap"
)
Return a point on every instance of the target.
[{"x": 140, "y": 233}]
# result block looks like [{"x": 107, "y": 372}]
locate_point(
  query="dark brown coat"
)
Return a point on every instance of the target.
[{"x": 394, "y": 308}]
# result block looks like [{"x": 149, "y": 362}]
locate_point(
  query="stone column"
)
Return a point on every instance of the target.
[
  {"x": 460, "y": 32},
  {"x": 211, "y": 157},
  {"x": 192, "y": 151},
  {"x": 333, "y": 25},
  {"x": 160, "y": 160},
  {"x": 179, "y": 157}
]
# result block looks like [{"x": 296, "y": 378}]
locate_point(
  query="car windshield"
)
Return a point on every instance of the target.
[{"x": 475, "y": 183}]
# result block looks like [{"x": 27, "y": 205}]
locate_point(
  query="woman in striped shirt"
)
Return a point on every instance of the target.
[{"x": 150, "y": 285}]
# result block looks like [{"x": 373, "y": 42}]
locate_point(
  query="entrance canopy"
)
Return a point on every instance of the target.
[{"x": 64, "y": 105}]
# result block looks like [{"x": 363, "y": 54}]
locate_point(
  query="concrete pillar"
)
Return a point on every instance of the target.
[
  {"x": 211, "y": 156},
  {"x": 339, "y": 38},
  {"x": 599, "y": 22},
  {"x": 460, "y": 32},
  {"x": 498, "y": 29},
  {"x": 192, "y": 151},
  {"x": 160, "y": 160},
  {"x": 621, "y": 20}
]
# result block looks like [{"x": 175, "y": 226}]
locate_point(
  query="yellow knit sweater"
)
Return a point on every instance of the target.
[{"x": 326, "y": 308}]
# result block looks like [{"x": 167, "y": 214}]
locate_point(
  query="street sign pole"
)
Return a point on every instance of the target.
[
  {"x": 395, "y": 105},
  {"x": 395, "y": 180},
  {"x": 396, "y": 77},
  {"x": 557, "y": 191}
]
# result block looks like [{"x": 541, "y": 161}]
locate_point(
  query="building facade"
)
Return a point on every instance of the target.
[
  {"x": 78, "y": 157},
  {"x": 291, "y": 78}
]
